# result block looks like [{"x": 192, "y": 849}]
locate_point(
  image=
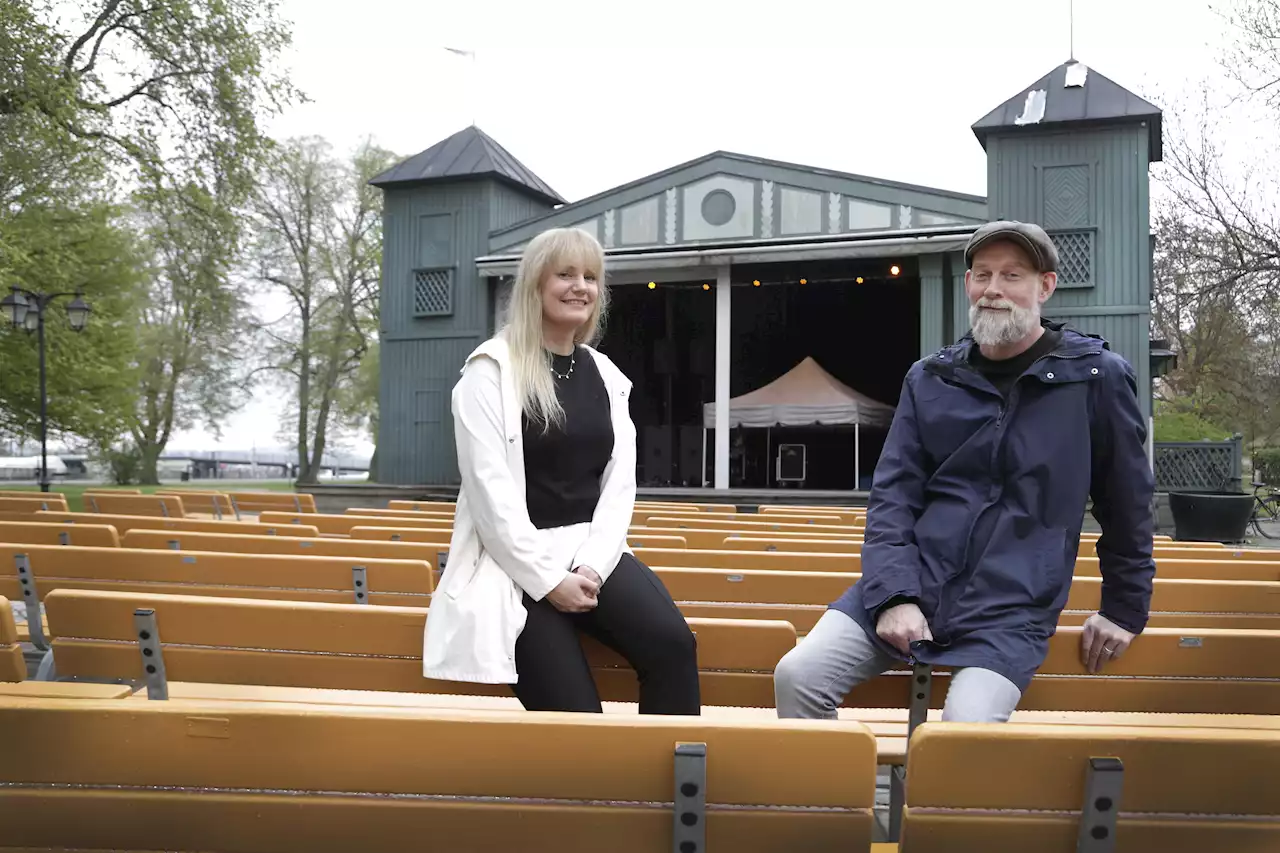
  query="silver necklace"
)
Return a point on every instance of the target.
[{"x": 573, "y": 360}]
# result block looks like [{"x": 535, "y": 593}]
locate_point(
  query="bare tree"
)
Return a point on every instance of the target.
[{"x": 320, "y": 244}]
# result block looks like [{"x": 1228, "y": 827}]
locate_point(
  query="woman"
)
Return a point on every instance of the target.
[{"x": 547, "y": 454}]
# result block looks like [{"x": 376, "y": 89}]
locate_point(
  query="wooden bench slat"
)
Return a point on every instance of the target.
[
  {"x": 441, "y": 752},
  {"x": 51, "y": 564},
  {"x": 125, "y": 523},
  {"x": 267, "y": 593},
  {"x": 776, "y": 560},
  {"x": 342, "y": 524},
  {"x": 8, "y": 626},
  {"x": 66, "y": 690},
  {"x": 43, "y": 533},
  {"x": 1184, "y": 770},
  {"x": 741, "y": 645},
  {"x": 246, "y": 544},
  {"x": 426, "y": 535},
  {"x": 327, "y": 824}
]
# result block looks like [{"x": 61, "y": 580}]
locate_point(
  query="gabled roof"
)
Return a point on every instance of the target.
[
  {"x": 1070, "y": 94},
  {"x": 469, "y": 153}
]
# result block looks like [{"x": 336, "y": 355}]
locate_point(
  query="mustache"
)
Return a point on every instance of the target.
[{"x": 1004, "y": 304}]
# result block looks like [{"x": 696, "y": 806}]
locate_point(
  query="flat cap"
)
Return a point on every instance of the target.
[{"x": 1031, "y": 237}]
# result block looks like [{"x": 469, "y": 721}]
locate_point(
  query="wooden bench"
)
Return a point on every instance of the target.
[
  {"x": 124, "y": 523},
  {"x": 31, "y": 573},
  {"x": 32, "y": 689},
  {"x": 272, "y": 502},
  {"x": 392, "y": 512},
  {"x": 305, "y": 644},
  {"x": 223, "y": 640},
  {"x": 12, "y": 665},
  {"x": 164, "y": 506},
  {"x": 33, "y": 502},
  {"x": 432, "y": 535},
  {"x": 802, "y": 597},
  {"x": 1201, "y": 568},
  {"x": 437, "y": 506},
  {"x": 289, "y": 545},
  {"x": 774, "y": 560},
  {"x": 340, "y": 525},
  {"x": 714, "y": 540},
  {"x": 210, "y": 503},
  {"x": 105, "y": 774},
  {"x": 43, "y": 533},
  {"x": 734, "y": 524},
  {"x": 1044, "y": 788}
]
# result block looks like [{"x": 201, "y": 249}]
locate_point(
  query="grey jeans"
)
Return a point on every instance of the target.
[{"x": 813, "y": 679}]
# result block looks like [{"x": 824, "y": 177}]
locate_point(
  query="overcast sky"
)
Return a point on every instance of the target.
[{"x": 590, "y": 95}]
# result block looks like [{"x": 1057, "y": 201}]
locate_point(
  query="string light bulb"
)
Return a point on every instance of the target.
[
  {"x": 755, "y": 283},
  {"x": 859, "y": 279},
  {"x": 894, "y": 270},
  {"x": 804, "y": 281},
  {"x": 706, "y": 287},
  {"x": 652, "y": 285}
]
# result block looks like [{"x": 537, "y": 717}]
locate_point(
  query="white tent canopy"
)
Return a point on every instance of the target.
[{"x": 806, "y": 395}]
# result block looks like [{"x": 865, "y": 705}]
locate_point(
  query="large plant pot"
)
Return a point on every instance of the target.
[{"x": 1210, "y": 516}]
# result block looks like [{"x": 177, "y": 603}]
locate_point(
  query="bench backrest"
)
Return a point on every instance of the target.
[
  {"x": 164, "y": 506},
  {"x": 293, "y": 577},
  {"x": 1178, "y": 789},
  {"x": 288, "y": 545},
  {"x": 341, "y": 524},
  {"x": 776, "y": 560},
  {"x": 272, "y": 501},
  {"x": 425, "y": 514},
  {"x": 440, "y": 506},
  {"x": 12, "y": 665},
  {"x": 125, "y": 523},
  {"x": 686, "y": 506},
  {"x": 43, "y": 533},
  {"x": 213, "y": 503},
  {"x": 802, "y": 597},
  {"x": 113, "y": 774},
  {"x": 431, "y": 535},
  {"x": 243, "y": 641},
  {"x": 737, "y": 524},
  {"x": 33, "y": 502}
]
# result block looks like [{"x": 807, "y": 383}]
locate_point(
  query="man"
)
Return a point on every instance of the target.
[{"x": 974, "y": 520}]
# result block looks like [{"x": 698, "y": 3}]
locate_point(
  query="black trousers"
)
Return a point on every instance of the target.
[{"x": 636, "y": 617}]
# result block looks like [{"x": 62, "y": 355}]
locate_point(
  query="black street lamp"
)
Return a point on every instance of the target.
[{"x": 26, "y": 309}]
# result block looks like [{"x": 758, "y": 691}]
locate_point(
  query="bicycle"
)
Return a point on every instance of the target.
[{"x": 1266, "y": 509}]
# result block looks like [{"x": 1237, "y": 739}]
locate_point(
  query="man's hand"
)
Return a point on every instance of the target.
[
  {"x": 575, "y": 594},
  {"x": 901, "y": 625},
  {"x": 1102, "y": 640}
]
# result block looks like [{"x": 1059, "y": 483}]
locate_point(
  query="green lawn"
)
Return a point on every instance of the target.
[{"x": 75, "y": 491}]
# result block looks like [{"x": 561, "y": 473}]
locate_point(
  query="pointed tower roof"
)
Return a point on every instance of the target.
[
  {"x": 469, "y": 153},
  {"x": 1073, "y": 94}
]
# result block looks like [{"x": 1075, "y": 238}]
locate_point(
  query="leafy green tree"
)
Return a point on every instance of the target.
[{"x": 190, "y": 349}]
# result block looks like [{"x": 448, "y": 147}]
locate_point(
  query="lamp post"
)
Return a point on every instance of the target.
[{"x": 26, "y": 309}]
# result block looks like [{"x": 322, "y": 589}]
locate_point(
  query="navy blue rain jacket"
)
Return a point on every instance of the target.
[{"x": 977, "y": 504}]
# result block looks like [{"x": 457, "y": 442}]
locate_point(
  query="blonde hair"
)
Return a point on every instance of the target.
[{"x": 551, "y": 250}]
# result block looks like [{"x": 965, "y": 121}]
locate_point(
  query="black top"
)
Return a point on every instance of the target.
[
  {"x": 564, "y": 466},
  {"x": 1004, "y": 372}
]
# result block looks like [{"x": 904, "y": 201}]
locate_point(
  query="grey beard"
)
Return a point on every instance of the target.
[{"x": 996, "y": 329}]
